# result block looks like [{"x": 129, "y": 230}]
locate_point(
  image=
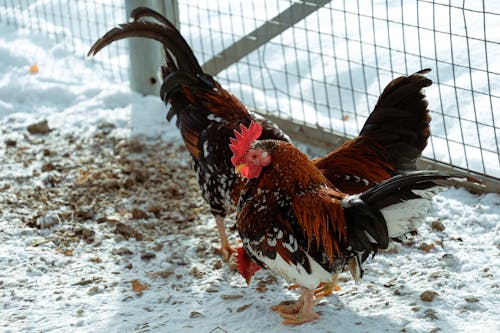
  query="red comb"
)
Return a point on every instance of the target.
[{"x": 243, "y": 140}]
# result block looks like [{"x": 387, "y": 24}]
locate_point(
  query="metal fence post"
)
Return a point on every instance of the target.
[{"x": 146, "y": 56}]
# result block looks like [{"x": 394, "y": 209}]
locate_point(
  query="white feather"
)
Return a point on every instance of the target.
[
  {"x": 406, "y": 216},
  {"x": 297, "y": 274}
]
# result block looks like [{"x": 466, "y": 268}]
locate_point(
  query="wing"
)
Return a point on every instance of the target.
[
  {"x": 270, "y": 234},
  {"x": 356, "y": 166}
]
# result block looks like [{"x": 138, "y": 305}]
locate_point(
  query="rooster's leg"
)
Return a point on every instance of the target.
[
  {"x": 299, "y": 312},
  {"x": 225, "y": 249},
  {"x": 324, "y": 289}
]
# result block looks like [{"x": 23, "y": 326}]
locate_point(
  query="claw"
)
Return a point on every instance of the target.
[
  {"x": 226, "y": 251},
  {"x": 299, "y": 312},
  {"x": 326, "y": 289}
]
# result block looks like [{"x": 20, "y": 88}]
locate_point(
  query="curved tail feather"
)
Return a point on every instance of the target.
[{"x": 400, "y": 120}]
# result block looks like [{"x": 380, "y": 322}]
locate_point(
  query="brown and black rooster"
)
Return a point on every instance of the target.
[
  {"x": 295, "y": 222},
  {"x": 391, "y": 140},
  {"x": 207, "y": 114}
]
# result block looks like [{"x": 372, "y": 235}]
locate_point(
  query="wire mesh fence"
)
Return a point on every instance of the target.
[
  {"x": 75, "y": 24},
  {"x": 327, "y": 69}
]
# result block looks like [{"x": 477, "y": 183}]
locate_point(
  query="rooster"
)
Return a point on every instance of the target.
[
  {"x": 206, "y": 113},
  {"x": 294, "y": 221},
  {"x": 390, "y": 142}
]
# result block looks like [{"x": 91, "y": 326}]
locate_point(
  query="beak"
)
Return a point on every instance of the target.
[{"x": 239, "y": 167}]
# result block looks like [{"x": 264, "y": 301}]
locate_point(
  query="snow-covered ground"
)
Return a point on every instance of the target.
[{"x": 102, "y": 227}]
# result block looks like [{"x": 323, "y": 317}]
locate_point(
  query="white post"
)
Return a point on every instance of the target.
[{"x": 146, "y": 56}]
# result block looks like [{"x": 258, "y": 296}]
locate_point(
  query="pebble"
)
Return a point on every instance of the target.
[
  {"x": 85, "y": 212},
  {"x": 127, "y": 231},
  {"x": 428, "y": 296},
  {"x": 195, "y": 314},
  {"x": 472, "y": 299},
  {"x": 146, "y": 256},
  {"x": 437, "y": 225},
  {"x": 41, "y": 127},
  {"x": 10, "y": 143},
  {"x": 138, "y": 214},
  {"x": 48, "y": 167}
]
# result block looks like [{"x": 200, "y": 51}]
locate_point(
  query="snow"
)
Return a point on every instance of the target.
[{"x": 53, "y": 280}]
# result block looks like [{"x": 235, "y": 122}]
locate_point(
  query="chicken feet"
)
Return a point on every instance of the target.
[{"x": 299, "y": 312}]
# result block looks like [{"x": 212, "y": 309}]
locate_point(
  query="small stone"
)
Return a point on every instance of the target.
[
  {"x": 427, "y": 247},
  {"x": 122, "y": 251},
  {"x": 48, "y": 167},
  {"x": 94, "y": 290},
  {"x": 472, "y": 299},
  {"x": 138, "y": 214},
  {"x": 47, "y": 153},
  {"x": 146, "y": 256},
  {"x": 231, "y": 296},
  {"x": 217, "y": 264},
  {"x": 9, "y": 143},
  {"x": 39, "y": 128},
  {"x": 88, "y": 235},
  {"x": 85, "y": 212},
  {"x": 195, "y": 314},
  {"x": 127, "y": 231},
  {"x": 158, "y": 247},
  {"x": 162, "y": 274},
  {"x": 428, "y": 296},
  {"x": 438, "y": 226}
]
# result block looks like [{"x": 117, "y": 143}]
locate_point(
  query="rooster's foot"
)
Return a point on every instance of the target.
[
  {"x": 226, "y": 251},
  {"x": 299, "y": 312},
  {"x": 326, "y": 289}
]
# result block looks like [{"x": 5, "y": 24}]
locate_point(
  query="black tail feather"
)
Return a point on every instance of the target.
[
  {"x": 400, "y": 120},
  {"x": 402, "y": 187},
  {"x": 368, "y": 226},
  {"x": 179, "y": 56}
]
